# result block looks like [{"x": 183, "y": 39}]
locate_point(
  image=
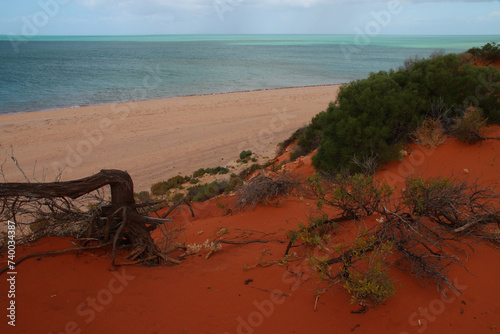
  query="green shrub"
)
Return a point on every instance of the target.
[
  {"x": 177, "y": 197},
  {"x": 488, "y": 52},
  {"x": 211, "y": 171},
  {"x": 298, "y": 152},
  {"x": 370, "y": 288},
  {"x": 356, "y": 195},
  {"x": 221, "y": 170},
  {"x": 295, "y": 136},
  {"x": 421, "y": 195},
  {"x": 234, "y": 183},
  {"x": 201, "y": 193},
  {"x": 366, "y": 277},
  {"x": 245, "y": 154},
  {"x": 311, "y": 137},
  {"x": 372, "y": 116},
  {"x": 144, "y": 197},
  {"x": 161, "y": 188},
  {"x": 377, "y": 115},
  {"x": 247, "y": 171},
  {"x": 199, "y": 173}
]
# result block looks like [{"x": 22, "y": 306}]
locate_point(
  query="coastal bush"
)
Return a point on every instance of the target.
[
  {"x": 287, "y": 142},
  {"x": 310, "y": 138},
  {"x": 379, "y": 114},
  {"x": 245, "y": 154},
  {"x": 373, "y": 115},
  {"x": 218, "y": 170},
  {"x": 199, "y": 173},
  {"x": 298, "y": 152},
  {"x": 487, "y": 53}
]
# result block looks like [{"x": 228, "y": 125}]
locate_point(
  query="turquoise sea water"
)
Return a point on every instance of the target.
[{"x": 50, "y": 72}]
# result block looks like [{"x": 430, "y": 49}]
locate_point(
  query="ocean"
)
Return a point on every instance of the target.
[{"x": 53, "y": 72}]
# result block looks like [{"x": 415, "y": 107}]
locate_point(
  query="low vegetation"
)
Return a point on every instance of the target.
[
  {"x": 210, "y": 171},
  {"x": 201, "y": 193},
  {"x": 470, "y": 125},
  {"x": 290, "y": 140},
  {"x": 161, "y": 188},
  {"x": 488, "y": 53},
  {"x": 264, "y": 189},
  {"x": 379, "y": 115},
  {"x": 430, "y": 133},
  {"x": 421, "y": 229}
]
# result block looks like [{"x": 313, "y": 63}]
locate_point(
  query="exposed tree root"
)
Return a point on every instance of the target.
[{"x": 117, "y": 223}]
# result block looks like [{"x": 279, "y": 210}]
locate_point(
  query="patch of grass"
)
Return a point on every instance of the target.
[
  {"x": 161, "y": 188},
  {"x": 201, "y": 193},
  {"x": 211, "y": 171}
]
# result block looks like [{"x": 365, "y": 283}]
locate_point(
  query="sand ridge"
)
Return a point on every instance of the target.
[{"x": 157, "y": 139}]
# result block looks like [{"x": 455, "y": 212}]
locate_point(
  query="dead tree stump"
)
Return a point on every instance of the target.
[{"x": 119, "y": 223}]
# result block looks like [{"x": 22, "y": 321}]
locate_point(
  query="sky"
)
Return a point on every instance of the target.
[{"x": 160, "y": 17}]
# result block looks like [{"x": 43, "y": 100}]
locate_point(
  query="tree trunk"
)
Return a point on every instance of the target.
[
  {"x": 120, "y": 223},
  {"x": 122, "y": 188}
]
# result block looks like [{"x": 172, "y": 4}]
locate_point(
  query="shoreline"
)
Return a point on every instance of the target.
[
  {"x": 157, "y": 139},
  {"x": 166, "y": 98}
]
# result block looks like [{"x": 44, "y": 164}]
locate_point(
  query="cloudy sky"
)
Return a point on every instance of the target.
[{"x": 145, "y": 17}]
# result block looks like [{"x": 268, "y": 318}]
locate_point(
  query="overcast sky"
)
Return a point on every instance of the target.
[{"x": 146, "y": 17}]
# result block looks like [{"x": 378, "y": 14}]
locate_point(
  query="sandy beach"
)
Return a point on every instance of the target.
[{"x": 157, "y": 139}]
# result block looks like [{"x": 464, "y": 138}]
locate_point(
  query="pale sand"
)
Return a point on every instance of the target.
[{"x": 155, "y": 140}]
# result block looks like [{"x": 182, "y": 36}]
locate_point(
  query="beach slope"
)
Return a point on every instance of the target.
[{"x": 158, "y": 139}]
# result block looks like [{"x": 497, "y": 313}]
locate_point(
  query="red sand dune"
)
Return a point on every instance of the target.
[{"x": 83, "y": 293}]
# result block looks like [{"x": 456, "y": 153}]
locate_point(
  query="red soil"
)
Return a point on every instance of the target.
[{"x": 83, "y": 293}]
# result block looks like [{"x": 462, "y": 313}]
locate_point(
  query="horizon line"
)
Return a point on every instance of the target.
[{"x": 241, "y": 34}]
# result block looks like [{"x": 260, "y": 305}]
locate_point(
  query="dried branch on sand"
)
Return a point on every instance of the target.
[
  {"x": 263, "y": 188},
  {"x": 118, "y": 222}
]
